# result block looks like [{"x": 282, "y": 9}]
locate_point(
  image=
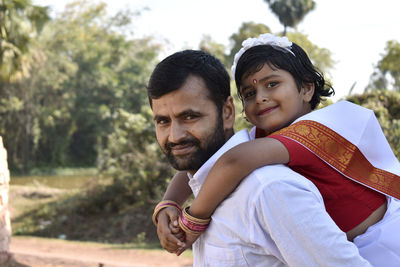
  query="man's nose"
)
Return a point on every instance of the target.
[{"x": 177, "y": 132}]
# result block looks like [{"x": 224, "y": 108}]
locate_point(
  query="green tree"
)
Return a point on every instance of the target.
[
  {"x": 209, "y": 45},
  {"x": 290, "y": 12},
  {"x": 19, "y": 21},
  {"x": 134, "y": 161},
  {"x": 387, "y": 70},
  {"x": 84, "y": 68},
  {"x": 320, "y": 57},
  {"x": 112, "y": 72}
]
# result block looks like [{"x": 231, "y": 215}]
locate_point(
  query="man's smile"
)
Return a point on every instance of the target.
[{"x": 180, "y": 150}]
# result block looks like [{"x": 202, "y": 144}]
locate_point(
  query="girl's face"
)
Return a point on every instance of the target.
[{"x": 271, "y": 99}]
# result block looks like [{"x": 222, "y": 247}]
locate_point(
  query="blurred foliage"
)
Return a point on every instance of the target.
[
  {"x": 207, "y": 44},
  {"x": 320, "y": 57},
  {"x": 20, "y": 21},
  {"x": 84, "y": 68},
  {"x": 134, "y": 161},
  {"x": 387, "y": 70},
  {"x": 290, "y": 12},
  {"x": 386, "y": 106}
]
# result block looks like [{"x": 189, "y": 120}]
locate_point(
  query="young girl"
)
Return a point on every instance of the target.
[{"x": 278, "y": 84}]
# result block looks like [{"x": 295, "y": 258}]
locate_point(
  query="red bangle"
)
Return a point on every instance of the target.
[{"x": 192, "y": 225}]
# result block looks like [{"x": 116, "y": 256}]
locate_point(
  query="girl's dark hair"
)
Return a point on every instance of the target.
[
  {"x": 299, "y": 66},
  {"x": 171, "y": 73}
]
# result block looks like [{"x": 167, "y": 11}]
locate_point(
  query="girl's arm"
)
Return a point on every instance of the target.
[
  {"x": 231, "y": 168},
  {"x": 178, "y": 189}
]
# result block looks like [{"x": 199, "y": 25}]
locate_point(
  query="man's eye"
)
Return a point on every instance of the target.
[
  {"x": 190, "y": 117},
  {"x": 162, "y": 122}
]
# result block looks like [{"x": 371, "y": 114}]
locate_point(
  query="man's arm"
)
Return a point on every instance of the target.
[
  {"x": 293, "y": 213},
  {"x": 168, "y": 230}
]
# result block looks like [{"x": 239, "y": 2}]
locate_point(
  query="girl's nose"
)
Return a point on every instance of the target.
[{"x": 262, "y": 97}]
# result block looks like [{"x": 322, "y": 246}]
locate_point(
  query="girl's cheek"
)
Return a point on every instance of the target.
[
  {"x": 246, "y": 111},
  {"x": 245, "y": 104}
]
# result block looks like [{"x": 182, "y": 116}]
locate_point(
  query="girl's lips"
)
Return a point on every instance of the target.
[{"x": 264, "y": 111}]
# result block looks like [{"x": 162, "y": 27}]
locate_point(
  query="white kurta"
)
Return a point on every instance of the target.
[{"x": 275, "y": 217}]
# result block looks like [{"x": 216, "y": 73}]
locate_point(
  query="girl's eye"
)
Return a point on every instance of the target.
[
  {"x": 271, "y": 84},
  {"x": 248, "y": 93}
]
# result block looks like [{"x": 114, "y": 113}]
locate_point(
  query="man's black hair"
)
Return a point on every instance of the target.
[{"x": 171, "y": 73}]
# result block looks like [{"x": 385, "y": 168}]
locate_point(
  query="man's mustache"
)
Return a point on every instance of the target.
[{"x": 170, "y": 145}]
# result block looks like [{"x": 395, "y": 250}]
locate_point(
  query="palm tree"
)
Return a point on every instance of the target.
[
  {"x": 290, "y": 12},
  {"x": 18, "y": 20}
]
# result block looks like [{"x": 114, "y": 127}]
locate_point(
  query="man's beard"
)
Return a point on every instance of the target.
[{"x": 205, "y": 149}]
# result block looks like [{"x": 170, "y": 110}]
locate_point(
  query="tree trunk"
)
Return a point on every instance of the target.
[{"x": 5, "y": 225}]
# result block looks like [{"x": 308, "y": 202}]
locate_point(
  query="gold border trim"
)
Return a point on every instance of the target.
[{"x": 342, "y": 155}]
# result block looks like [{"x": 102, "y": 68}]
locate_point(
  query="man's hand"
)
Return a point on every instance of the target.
[{"x": 168, "y": 231}]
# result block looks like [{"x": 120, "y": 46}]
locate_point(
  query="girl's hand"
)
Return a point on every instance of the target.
[
  {"x": 190, "y": 239},
  {"x": 167, "y": 228},
  {"x": 177, "y": 231}
]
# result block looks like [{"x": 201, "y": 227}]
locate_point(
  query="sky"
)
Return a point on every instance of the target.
[{"x": 355, "y": 31}]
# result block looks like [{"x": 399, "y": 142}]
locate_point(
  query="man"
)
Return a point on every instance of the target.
[{"x": 279, "y": 221}]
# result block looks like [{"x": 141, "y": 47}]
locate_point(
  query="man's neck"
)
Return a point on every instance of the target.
[{"x": 228, "y": 134}]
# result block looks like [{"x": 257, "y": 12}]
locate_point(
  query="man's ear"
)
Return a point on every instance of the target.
[
  {"x": 307, "y": 91},
  {"x": 228, "y": 114}
]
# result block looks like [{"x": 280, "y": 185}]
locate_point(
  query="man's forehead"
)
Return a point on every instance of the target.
[
  {"x": 170, "y": 110},
  {"x": 193, "y": 95}
]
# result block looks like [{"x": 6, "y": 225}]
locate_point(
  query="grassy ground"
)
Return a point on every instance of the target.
[
  {"x": 24, "y": 200},
  {"x": 27, "y": 201},
  {"x": 77, "y": 214}
]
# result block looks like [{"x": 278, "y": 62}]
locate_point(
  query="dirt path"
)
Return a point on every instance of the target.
[{"x": 42, "y": 252}]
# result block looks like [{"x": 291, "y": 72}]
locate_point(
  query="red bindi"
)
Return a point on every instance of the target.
[{"x": 254, "y": 81}]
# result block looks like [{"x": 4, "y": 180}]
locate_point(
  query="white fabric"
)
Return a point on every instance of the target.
[
  {"x": 359, "y": 126},
  {"x": 275, "y": 217},
  {"x": 380, "y": 244}
]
